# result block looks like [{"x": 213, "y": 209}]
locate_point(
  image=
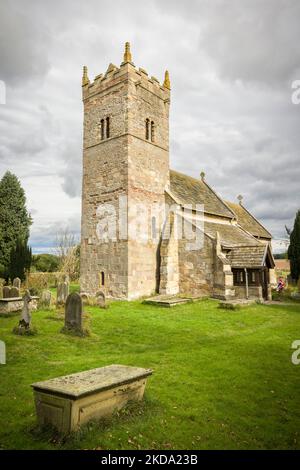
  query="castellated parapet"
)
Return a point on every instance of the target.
[{"x": 125, "y": 158}]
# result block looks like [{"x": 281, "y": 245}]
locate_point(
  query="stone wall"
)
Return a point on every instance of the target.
[
  {"x": 123, "y": 165},
  {"x": 196, "y": 268}
]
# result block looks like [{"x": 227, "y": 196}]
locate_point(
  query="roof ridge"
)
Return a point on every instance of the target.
[
  {"x": 251, "y": 215},
  {"x": 256, "y": 220},
  {"x": 209, "y": 187}
]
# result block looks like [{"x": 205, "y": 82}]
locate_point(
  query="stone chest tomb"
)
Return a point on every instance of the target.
[{"x": 68, "y": 402}]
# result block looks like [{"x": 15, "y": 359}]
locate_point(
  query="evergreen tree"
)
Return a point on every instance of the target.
[
  {"x": 294, "y": 248},
  {"x": 15, "y": 221},
  {"x": 20, "y": 260}
]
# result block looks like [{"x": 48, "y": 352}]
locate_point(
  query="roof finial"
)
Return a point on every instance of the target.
[
  {"x": 85, "y": 78},
  {"x": 167, "y": 83},
  {"x": 127, "y": 53},
  {"x": 202, "y": 175},
  {"x": 240, "y": 199}
]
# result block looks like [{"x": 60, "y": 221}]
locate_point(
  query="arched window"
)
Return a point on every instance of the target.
[
  {"x": 107, "y": 128},
  {"x": 102, "y": 279},
  {"x": 152, "y": 131},
  {"x": 147, "y": 129},
  {"x": 102, "y": 129}
]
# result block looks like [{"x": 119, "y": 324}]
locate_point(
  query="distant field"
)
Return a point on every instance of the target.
[{"x": 222, "y": 379}]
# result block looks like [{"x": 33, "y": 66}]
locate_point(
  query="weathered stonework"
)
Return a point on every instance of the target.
[
  {"x": 125, "y": 164},
  {"x": 70, "y": 401}
]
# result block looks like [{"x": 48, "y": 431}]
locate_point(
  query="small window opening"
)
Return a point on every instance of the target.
[
  {"x": 152, "y": 131},
  {"x": 147, "y": 129},
  {"x": 102, "y": 128},
  {"x": 107, "y": 128},
  {"x": 102, "y": 278}
]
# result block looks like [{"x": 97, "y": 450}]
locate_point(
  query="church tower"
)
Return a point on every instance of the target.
[{"x": 125, "y": 173}]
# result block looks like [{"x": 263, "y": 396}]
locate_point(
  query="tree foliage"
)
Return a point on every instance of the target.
[
  {"x": 15, "y": 220},
  {"x": 294, "y": 248},
  {"x": 46, "y": 263},
  {"x": 20, "y": 260}
]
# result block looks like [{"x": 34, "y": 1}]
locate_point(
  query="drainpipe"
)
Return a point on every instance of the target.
[{"x": 247, "y": 287}]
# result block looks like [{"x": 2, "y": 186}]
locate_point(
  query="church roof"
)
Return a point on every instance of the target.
[
  {"x": 243, "y": 249},
  {"x": 188, "y": 190},
  {"x": 247, "y": 256},
  {"x": 248, "y": 221},
  {"x": 230, "y": 235}
]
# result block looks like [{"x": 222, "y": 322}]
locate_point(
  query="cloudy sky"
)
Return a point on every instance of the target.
[{"x": 232, "y": 64}]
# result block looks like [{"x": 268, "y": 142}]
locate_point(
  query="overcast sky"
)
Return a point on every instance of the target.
[{"x": 231, "y": 63}]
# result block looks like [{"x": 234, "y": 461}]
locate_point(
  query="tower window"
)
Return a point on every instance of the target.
[
  {"x": 152, "y": 131},
  {"x": 102, "y": 129},
  {"x": 107, "y": 128},
  {"x": 102, "y": 279},
  {"x": 147, "y": 129}
]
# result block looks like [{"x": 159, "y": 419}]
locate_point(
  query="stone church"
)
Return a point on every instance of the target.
[{"x": 125, "y": 166}]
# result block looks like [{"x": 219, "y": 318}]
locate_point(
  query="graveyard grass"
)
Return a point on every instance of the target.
[{"x": 222, "y": 378}]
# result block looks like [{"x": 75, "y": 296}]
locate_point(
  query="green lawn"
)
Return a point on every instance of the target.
[{"x": 222, "y": 379}]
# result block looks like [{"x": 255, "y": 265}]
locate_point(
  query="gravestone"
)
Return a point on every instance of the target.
[
  {"x": 62, "y": 292},
  {"x": 101, "y": 299},
  {"x": 26, "y": 315},
  {"x": 85, "y": 298},
  {"x": 73, "y": 312},
  {"x": 46, "y": 298},
  {"x": 6, "y": 292},
  {"x": 14, "y": 292},
  {"x": 17, "y": 283}
]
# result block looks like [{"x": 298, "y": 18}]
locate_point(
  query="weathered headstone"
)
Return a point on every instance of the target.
[
  {"x": 2, "y": 353},
  {"x": 6, "y": 292},
  {"x": 62, "y": 292},
  {"x": 14, "y": 292},
  {"x": 85, "y": 297},
  {"x": 73, "y": 312},
  {"x": 17, "y": 283},
  {"x": 24, "y": 327},
  {"x": 101, "y": 299},
  {"x": 46, "y": 298},
  {"x": 26, "y": 315}
]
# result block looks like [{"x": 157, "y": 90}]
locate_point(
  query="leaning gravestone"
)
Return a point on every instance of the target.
[
  {"x": 46, "y": 298},
  {"x": 101, "y": 299},
  {"x": 24, "y": 327},
  {"x": 14, "y": 292},
  {"x": 17, "y": 282},
  {"x": 25, "y": 315},
  {"x": 73, "y": 313},
  {"x": 62, "y": 292},
  {"x": 6, "y": 292}
]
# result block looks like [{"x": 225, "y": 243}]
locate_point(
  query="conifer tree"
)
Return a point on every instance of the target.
[
  {"x": 15, "y": 220},
  {"x": 294, "y": 248}
]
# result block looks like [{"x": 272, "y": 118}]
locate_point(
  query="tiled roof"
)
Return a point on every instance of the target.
[
  {"x": 190, "y": 190},
  {"x": 230, "y": 235},
  {"x": 247, "y": 256},
  {"x": 248, "y": 221},
  {"x": 244, "y": 250}
]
